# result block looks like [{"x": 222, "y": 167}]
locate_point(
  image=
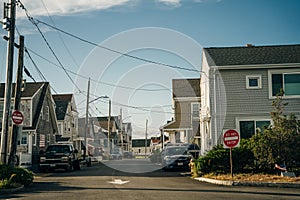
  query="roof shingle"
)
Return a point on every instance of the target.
[{"x": 253, "y": 55}]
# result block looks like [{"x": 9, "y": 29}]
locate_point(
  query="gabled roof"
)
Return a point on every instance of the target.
[
  {"x": 253, "y": 55},
  {"x": 43, "y": 93},
  {"x": 140, "y": 142},
  {"x": 61, "y": 102},
  {"x": 186, "y": 87},
  {"x": 103, "y": 122},
  {"x": 30, "y": 89}
]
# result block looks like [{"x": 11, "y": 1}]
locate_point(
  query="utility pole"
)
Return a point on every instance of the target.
[
  {"x": 8, "y": 83},
  {"x": 86, "y": 119},
  {"x": 16, "y": 128},
  {"x": 146, "y": 137},
  {"x": 108, "y": 126},
  {"x": 121, "y": 126}
]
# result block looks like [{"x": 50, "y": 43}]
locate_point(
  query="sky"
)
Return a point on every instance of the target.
[{"x": 132, "y": 49}]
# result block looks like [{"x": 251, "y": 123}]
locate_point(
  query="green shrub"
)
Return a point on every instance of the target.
[
  {"x": 217, "y": 160},
  {"x": 23, "y": 176}
]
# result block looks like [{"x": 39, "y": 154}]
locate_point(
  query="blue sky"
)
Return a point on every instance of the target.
[{"x": 124, "y": 25}]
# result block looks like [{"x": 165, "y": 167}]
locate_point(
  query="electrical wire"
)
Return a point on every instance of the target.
[
  {"x": 117, "y": 52},
  {"x": 30, "y": 18},
  {"x": 96, "y": 81}
]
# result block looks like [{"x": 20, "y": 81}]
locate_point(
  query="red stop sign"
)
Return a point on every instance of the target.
[
  {"x": 17, "y": 117},
  {"x": 231, "y": 138}
]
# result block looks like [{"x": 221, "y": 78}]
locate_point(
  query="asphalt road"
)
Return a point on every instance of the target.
[{"x": 106, "y": 181}]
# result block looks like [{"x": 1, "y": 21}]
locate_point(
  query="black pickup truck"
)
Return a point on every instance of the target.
[{"x": 59, "y": 156}]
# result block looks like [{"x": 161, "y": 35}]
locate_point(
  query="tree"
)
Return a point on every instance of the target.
[{"x": 280, "y": 142}]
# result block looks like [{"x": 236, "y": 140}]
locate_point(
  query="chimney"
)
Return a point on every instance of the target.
[{"x": 249, "y": 45}]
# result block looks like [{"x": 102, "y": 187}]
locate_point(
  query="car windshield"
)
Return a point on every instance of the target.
[
  {"x": 175, "y": 151},
  {"x": 58, "y": 149}
]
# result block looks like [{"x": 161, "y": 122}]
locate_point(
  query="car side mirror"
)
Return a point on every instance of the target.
[{"x": 75, "y": 151}]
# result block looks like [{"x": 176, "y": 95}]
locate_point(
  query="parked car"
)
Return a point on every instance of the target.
[
  {"x": 59, "y": 156},
  {"x": 128, "y": 154},
  {"x": 115, "y": 156},
  {"x": 178, "y": 156}
]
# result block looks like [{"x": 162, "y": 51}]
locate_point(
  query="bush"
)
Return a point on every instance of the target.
[
  {"x": 218, "y": 160},
  {"x": 22, "y": 176}
]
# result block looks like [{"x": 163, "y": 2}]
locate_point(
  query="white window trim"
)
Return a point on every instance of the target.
[
  {"x": 238, "y": 119},
  {"x": 47, "y": 113},
  {"x": 259, "y": 82},
  {"x": 281, "y": 71},
  {"x": 192, "y": 105}
]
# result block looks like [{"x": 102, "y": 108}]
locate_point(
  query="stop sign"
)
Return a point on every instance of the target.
[
  {"x": 231, "y": 138},
  {"x": 17, "y": 117}
]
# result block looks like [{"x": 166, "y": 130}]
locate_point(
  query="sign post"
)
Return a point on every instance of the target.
[
  {"x": 231, "y": 139},
  {"x": 17, "y": 117}
]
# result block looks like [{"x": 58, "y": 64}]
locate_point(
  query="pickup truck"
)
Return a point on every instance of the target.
[{"x": 59, "y": 156}]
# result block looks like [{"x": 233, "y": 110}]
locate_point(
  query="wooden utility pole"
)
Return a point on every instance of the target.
[
  {"x": 8, "y": 83},
  {"x": 121, "y": 126},
  {"x": 146, "y": 137},
  {"x": 108, "y": 126},
  {"x": 86, "y": 120},
  {"x": 16, "y": 128}
]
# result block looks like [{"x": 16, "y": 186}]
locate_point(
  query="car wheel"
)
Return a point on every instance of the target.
[{"x": 69, "y": 167}]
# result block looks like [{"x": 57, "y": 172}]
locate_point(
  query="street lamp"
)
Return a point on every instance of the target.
[{"x": 86, "y": 117}]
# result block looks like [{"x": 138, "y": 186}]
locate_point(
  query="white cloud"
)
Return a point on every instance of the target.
[
  {"x": 67, "y": 7},
  {"x": 173, "y": 3}
]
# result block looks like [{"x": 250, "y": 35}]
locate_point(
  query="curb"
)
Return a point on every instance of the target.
[
  {"x": 13, "y": 190},
  {"x": 254, "y": 184}
]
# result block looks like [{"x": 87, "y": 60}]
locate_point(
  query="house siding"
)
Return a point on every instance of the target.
[
  {"x": 242, "y": 102},
  {"x": 45, "y": 127}
]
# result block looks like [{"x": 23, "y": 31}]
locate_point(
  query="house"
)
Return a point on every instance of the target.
[
  {"x": 141, "y": 147},
  {"x": 39, "y": 126},
  {"x": 184, "y": 128},
  {"x": 238, "y": 85},
  {"x": 91, "y": 138},
  {"x": 67, "y": 118},
  {"x": 126, "y": 133},
  {"x": 112, "y": 140},
  {"x": 157, "y": 143}
]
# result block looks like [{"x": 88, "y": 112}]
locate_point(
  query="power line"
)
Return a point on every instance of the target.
[
  {"x": 38, "y": 70},
  {"x": 66, "y": 47},
  {"x": 30, "y": 18},
  {"x": 96, "y": 81},
  {"x": 117, "y": 52}
]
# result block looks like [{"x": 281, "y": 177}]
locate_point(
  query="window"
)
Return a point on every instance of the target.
[
  {"x": 253, "y": 82},
  {"x": 195, "y": 110},
  {"x": 289, "y": 82},
  {"x": 251, "y": 127},
  {"x": 22, "y": 139},
  {"x": 47, "y": 113}
]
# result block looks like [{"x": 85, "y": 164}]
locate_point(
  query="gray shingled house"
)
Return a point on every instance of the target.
[
  {"x": 40, "y": 125},
  {"x": 67, "y": 118},
  {"x": 238, "y": 85},
  {"x": 184, "y": 127}
]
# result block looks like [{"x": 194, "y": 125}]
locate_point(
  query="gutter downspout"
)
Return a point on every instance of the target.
[{"x": 215, "y": 106}]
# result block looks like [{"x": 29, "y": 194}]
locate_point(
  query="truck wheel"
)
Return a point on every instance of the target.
[
  {"x": 42, "y": 169},
  {"x": 89, "y": 163},
  {"x": 69, "y": 167},
  {"x": 76, "y": 165}
]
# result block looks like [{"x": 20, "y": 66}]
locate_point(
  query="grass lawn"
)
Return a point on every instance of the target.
[{"x": 254, "y": 178}]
